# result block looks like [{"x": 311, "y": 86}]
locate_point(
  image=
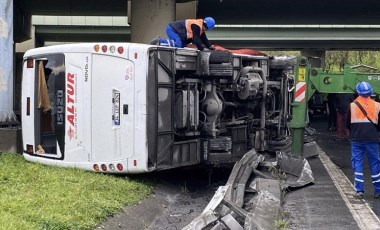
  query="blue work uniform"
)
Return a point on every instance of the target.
[
  {"x": 364, "y": 139},
  {"x": 183, "y": 32}
]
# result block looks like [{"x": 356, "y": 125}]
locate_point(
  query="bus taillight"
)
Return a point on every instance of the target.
[
  {"x": 96, "y": 167},
  {"x": 29, "y": 63},
  {"x": 120, "y": 167},
  {"x": 112, "y": 49},
  {"x": 29, "y": 149},
  {"x": 104, "y": 48},
  {"x": 111, "y": 167},
  {"x": 96, "y": 48},
  {"x": 120, "y": 50},
  {"x": 104, "y": 167}
]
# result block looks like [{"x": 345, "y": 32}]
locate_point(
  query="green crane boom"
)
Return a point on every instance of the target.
[{"x": 308, "y": 80}]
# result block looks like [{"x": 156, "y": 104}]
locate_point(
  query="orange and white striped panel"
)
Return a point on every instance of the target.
[{"x": 300, "y": 91}]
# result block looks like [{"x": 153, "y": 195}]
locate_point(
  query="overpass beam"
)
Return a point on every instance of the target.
[
  {"x": 149, "y": 19},
  {"x": 6, "y": 61}
]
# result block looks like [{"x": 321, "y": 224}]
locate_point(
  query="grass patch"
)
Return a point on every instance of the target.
[
  {"x": 34, "y": 196},
  {"x": 281, "y": 224}
]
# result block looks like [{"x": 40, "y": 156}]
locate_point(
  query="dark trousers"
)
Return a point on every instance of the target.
[
  {"x": 332, "y": 115},
  {"x": 341, "y": 130}
]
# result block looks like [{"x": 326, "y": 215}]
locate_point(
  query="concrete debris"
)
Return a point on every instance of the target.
[
  {"x": 216, "y": 199},
  {"x": 270, "y": 185},
  {"x": 289, "y": 163},
  {"x": 253, "y": 195},
  {"x": 201, "y": 221},
  {"x": 265, "y": 212},
  {"x": 231, "y": 223},
  {"x": 310, "y": 149}
]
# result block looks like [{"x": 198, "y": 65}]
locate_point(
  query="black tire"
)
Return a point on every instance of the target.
[{"x": 218, "y": 57}]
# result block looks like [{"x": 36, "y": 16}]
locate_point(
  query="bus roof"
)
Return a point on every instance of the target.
[{"x": 84, "y": 48}]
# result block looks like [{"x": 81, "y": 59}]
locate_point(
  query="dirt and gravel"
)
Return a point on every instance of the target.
[{"x": 180, "y": 195}]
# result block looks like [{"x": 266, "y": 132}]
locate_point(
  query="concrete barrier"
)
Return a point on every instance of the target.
[{"x": 11, "y": 140}]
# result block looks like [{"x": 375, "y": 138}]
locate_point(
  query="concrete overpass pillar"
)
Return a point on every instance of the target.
[
  {"x": 10, "y": 132},
  {"x": 6, "y": 61},
  {"x": 318, "y": 57},
  {"x": 149, "y": 18},
  {"x": 186, "y": 10}
]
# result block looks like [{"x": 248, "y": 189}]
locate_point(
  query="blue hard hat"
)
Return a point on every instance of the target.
[
  {"x": 364, "y": 89},
  {"x": 210, "y": 23}
]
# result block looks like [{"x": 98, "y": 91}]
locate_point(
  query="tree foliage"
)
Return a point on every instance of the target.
[{"x": 335, "y": 60}]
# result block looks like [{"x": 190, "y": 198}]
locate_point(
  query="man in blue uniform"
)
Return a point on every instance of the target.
[
  {"x": 363, "y": 123},
  {"x": 183, "y": 32}
]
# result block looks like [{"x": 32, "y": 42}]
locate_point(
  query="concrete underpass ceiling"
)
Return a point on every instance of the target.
[
  {"x": 73, "y": 7},
  {"x": 232, "y": 12},
  {"x": 228, "y": 11},
  {"x": 283, "y": 37},
  {"x": 76, "y": 7},
  {"x": 53, "y": 33},
  {"x": 291, "y": 11}
]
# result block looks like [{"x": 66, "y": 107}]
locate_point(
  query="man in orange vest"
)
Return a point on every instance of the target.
[
  {"x": 363, "y": 123},
  {"x": 183, "y": 32}
]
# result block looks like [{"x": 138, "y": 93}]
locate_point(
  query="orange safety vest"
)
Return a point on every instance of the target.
[
  {"x": 189, "y": 31},
  {"x": 371, "y": 107}
]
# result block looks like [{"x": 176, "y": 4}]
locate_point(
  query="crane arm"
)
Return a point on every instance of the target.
[{"x": 308, "y": 80}]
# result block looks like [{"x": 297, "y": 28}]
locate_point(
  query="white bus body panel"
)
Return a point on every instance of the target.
[
  {"x": 28, "y": 86},
  {"x": 140, "y": 57},
  {"x": 77, "y": 145},
  {"x": 113, "y": 80},
  {"x": 93, "y": 135}
]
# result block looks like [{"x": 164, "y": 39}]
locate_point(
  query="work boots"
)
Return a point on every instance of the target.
[{"x": 360, "y": 195}]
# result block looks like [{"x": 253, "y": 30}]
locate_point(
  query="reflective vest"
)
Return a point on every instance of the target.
[
  {"x": 361, "y": 129},
  {"x": 189, "y": 31},
  {"x": 370, "y": 106}
]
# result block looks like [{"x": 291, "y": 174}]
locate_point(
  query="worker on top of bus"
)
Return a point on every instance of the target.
[
  {"x": 363, "y": 123},
  {"x": 183, "y": 32}
]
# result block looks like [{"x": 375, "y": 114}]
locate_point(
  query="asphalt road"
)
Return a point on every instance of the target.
[
  {"x": 182, "y": 194},
  {"x": 340, "y": 154}
]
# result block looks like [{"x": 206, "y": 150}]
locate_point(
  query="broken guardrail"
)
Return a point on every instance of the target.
[{"x": 253, "y": 199}]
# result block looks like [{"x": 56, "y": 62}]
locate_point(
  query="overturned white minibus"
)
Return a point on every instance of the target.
[{"x": 133, "y": 108}]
